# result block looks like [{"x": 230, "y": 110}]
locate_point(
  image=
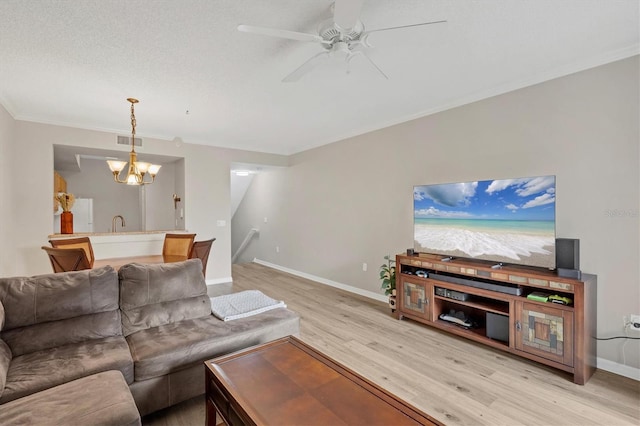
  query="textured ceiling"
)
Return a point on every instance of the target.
[{"x": 75, "y": 62}]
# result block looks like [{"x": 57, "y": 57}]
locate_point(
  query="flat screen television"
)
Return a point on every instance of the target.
[{"x": 506, "y": 221}]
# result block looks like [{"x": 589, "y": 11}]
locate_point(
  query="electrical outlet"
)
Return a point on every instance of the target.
[
  {"x": 630, "y": 321},
  {"x": 633, "y": 321},
  {"x": 364, "y": 267}
]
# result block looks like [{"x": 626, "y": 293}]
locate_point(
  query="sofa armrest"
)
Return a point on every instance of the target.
[{"x": 5, "y": 360}]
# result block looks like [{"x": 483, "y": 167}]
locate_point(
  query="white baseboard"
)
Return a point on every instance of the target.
[
  {"x": 351, "y": 289},
  {"x": 619, "y": 369},
  {"x": 603, "y": 364},
  {"x": 216, "y": 281}
]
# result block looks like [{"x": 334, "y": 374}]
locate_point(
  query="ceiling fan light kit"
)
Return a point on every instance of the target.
[{"x": 343, "y": 35}]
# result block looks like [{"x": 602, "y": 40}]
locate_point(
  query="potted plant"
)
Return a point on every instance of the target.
[
  {"x": 388, "y": 277},
  {"x": 65, "y": 201}
]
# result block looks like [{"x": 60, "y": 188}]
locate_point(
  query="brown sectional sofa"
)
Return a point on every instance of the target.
[
  {"x": 152, "y": 323},
  {"x": 61, "y": 327},
  {"x": 98, "y": 399}
]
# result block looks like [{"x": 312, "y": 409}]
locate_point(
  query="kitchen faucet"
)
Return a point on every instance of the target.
[{"x": 113, "y": 222}]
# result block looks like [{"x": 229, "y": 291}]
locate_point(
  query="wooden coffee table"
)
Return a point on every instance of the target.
[{"x": 286, "y": 382}]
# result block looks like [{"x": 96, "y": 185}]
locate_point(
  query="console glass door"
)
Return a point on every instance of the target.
[
  {"x": 414, "y": 298},
  {"x": 545, "y": 331}
]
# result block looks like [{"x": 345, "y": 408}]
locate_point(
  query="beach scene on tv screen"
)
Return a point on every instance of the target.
[{"x": 510, "y": 221}]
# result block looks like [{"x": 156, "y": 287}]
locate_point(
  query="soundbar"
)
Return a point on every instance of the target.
[{"x": 501, "y": 288}]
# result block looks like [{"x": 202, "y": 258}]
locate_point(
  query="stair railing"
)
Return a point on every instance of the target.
[{"x": 252, "y": 232}]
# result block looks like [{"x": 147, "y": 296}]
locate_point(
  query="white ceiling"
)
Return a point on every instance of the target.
[{"x": 74, "y": 62}]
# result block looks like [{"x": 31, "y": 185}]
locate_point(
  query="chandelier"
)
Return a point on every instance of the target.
[{"x": 137, "y": 169}]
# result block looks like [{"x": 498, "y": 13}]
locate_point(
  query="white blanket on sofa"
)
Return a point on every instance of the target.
[{"x": 243, "y": 304}]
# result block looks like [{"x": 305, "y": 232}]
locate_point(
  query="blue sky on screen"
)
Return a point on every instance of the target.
[{"x": 530, "y": 198}]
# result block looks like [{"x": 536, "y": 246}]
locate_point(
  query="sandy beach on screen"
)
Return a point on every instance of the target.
[{"x": 528, "y": 249}]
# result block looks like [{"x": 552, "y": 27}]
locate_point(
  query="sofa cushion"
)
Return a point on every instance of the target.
[
  {"x": 152, "y": 295},
  {"x": 5, "y": 354},
  {"x": 99, "y": 399},
  {"x": 161, "y": 350},
  {"x": 1, "y": 316},
  {"x": 51, "y": 297},
  {"x": 5, "y": 359},
  {"x": 52, "y": 334},
  {"x": 44, "y": 369}
]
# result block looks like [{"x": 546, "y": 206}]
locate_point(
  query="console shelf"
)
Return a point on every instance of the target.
[
  {"x": 488, "y": 307},
  {"x": 495, "y": 302},
  {"x": 478, "y": 332}
]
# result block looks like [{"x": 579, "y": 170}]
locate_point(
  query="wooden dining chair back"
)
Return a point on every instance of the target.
[
  {"x": 67, "y": 259},
  {"x": 201, "y": 251},
  {"x": 81, "y": 242},
  {"x": 178, "y": 245}
]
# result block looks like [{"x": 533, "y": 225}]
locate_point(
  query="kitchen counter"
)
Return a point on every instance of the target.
[
  {"x": 117, "y": 262},
  {"x": 108, "y": 245},
  {"x": 103, "y": 234}
]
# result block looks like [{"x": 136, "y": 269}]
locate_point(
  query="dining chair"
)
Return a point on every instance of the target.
[
  {"x": 201, "y": 251},
  {"x": 80, "y": 242},
  {"x": 178, "y": 245},
  {"x": 67, "y": 259}
]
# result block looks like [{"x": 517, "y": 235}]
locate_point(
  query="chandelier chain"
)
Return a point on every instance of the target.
[
  {"x": 133, "y": 125},
  {"x": 137, "y": 169}
]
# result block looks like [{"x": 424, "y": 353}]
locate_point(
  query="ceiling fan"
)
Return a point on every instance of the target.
[{"x": 344, "y": 36}]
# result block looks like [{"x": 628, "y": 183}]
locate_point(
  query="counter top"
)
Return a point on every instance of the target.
[
  {"x": 107, "y": 245},
  {"x": 117, "y": 262},
  {"x": 110, "y": 234}
]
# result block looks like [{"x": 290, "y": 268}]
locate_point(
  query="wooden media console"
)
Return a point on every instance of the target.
[{"x": 498, "y": 313}]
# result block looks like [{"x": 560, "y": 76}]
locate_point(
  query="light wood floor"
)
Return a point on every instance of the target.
[{"x": 456, "y": 381}]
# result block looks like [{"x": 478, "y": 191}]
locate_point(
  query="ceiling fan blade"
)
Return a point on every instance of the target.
[
  {"x": 405, "y": 26},
  {"x": 346, "y": 13},
  {"x": 306, "y": 67},
  {"x": 361, "y": 53},
  {"x": 273, "y": 32}
]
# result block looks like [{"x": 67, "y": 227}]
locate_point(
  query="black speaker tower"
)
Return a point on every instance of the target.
[{"x": 568, "y": 258}]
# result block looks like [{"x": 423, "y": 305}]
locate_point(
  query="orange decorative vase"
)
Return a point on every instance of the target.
[{"x": 66, "y": 223}]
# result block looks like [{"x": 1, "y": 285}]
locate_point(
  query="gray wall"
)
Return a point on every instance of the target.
[
  {"x": 342, "y": 205},
  {"x": 160, "y": 213},
  {"x": 7, "y": 191},
  {"x": 205, "y": 200},
  {"x": 179, "y": 175},
  {"x": 94, "y": 180}
]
